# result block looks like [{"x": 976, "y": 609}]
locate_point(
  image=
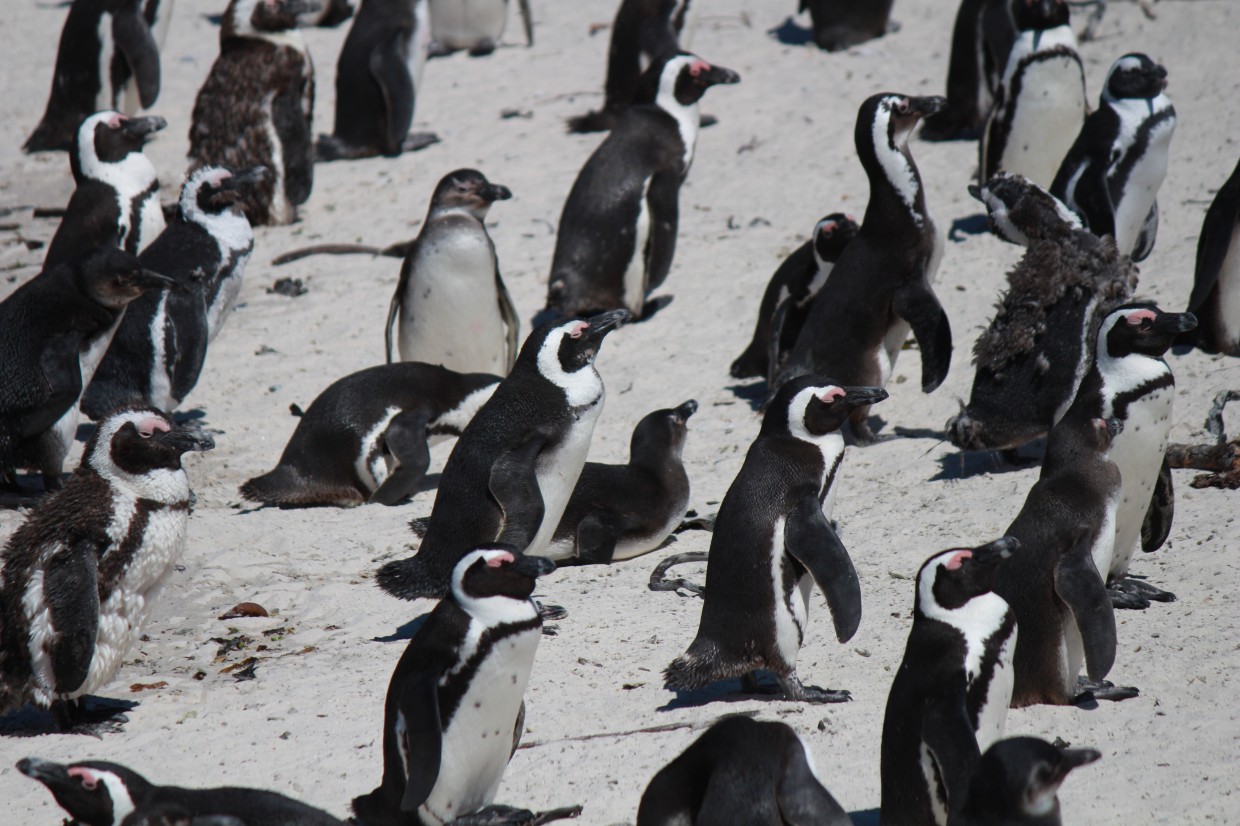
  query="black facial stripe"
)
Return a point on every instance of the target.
[
  {"x": 1119, "y": 408},
  {"x": 453, "y": 691}
]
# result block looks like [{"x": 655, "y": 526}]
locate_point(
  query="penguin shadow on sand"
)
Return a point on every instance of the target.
[
  {"x": 965, "y": 464},
  {"x": 791, "y": 33},
  {"x": 736, "y": 690},
  {"x": 967, "y": 226},
  {"x": 100, "y": 715}
]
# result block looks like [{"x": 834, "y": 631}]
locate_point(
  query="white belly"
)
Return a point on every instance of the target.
[
  {"x": 1138, "y": 453},
  {"x": 557, "y": 476},
  {"x": 150, "y": 221},
  {"x": 463, "y": 24},
  {"x": 280, "y": 210},
  {"x": 629, "y": 548},
  {"x": 1071, "y": 656},
  {"x": 226, "y": 297},
  {"x": 1047, "y": 118},
  {"x": 791, "y": 610},
  {"x": 890, "y": 351},
  {"x": 1142, "y": 188},
  {"x": 635, "y": 273},
  {"x": 415, "y": 60},
  {"x": 992, "y": 716},
  {"x": 161, "y": 383},
  {"x": 1228, "y": 285}
]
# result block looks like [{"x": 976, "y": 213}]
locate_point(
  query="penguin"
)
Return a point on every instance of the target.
[
  {"x": 880, "y": 286},
  {"x": 451, "y": 306},
  {"x": 327, "y": 14},
  {"x": 475, "y": 25},
  {"x": 116, "y": 198},
  {"x": 617, "y": 232},
  {"x": 256, "y": 106},
  {"x": 643, "y": 32},
  {"x": 97, "y": 793},
  {"x": 1112, "y": 172},
  {"x": 839, "y": 24},
  {"x": 618, "y": 512},
  {"x": 1132, "y": 382},
  {"x": 454, "y": 711},
  {"x": 54, "y": 329},
  {"x": 81, "y": 576},
  {"x": 789, "y": 294},
  {"x": 366, "y": 438},
  {"x": 741, "y": 772},
  {"x": 775, "y": 518},
  {"x": 1016, "y": 783},
  {"x": 1031, "y": 359},
  {"x": 1041, "y": 102},
  {"x": 173, "y": 815},
  {"x": 157, "y": 15},
  {"x": 982, "y": 38},
  {"x": 377, "y": 78},
  {"x": 160, "y": 347},
  {"x": 104, "y": 46},
  {"x": 1056, "y": 588},
  {"x": 1215, "y": 299},
  {"x": 949, "y": 698},
  {"x": 511, "y": 474}
]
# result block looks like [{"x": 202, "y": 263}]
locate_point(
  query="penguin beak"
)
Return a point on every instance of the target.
[
  {"x": 715, "y": 76},
  {"x": 300, "y": 7},
  {"x": 926, "y": 106},
  {"x": 686, "y": 410},
  {"x": 533, "y": 566},
  {"x": 977, "y": 192},
  {"x": 1175, "y": 323},
  {"x": 187, "y": 437},
  {"x": 45, "y": 771},
  {"x": 995, "y": 552},
  {"x": 604, "y": 323},
  {"x": 1073, "y": 759},
  {"x": 495, "y": 192},
  {"x": 246, "y": 177},
  {"x": 855, "y": 397},
  {"x": 142, "y": 128}
]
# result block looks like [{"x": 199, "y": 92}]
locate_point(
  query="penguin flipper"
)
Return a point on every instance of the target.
[
  {"x": 949, "y": 736},
  {"x": 512, "y": 325},
  {"x": 63, "y": 376},
  {"x": 133, "y": 37},
  {"x": 71, "y": 592},
  {"x": 662, "y": 198},
  {"x": 801, "y": 797},
  {"x": 597, "y": 534},
  {"x": 514, "y": 487},
  {"x": 290, "y": 113},
  {"x": 916, "y": 303},
  {"x": 391, "y": 73},
  {"x": 1157, "y": 525},
  {"x": 811, "y": 540},
  {"x": 1145, "y": 238},
  {"x": 395, "y": 306},
  {"x": 405, "y": 439},
  {"x": 1080, "y": 585},
  {"x": 418, "y": 709}
]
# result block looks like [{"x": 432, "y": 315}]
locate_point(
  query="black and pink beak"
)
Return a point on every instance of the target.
[
  {"x": 705, "y": 74},
  {"x": 141, "y": 128}
]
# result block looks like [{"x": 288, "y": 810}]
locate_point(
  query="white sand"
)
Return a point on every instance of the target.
[{"x": 309, "y": 725}]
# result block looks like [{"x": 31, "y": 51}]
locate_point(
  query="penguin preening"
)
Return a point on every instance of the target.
[
  {"x": 1016, "y": 783},
  {"x": 160, "y": 347},
  {"x": 81, "y": 576},
  {"x": 1215, "y": 299},
  {"x": 512, "y": 472},
  {"x": 474, "y": 25}
]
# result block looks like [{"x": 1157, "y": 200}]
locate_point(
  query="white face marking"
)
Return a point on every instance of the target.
[
  {"x": 488, "y": 612},
  {"x": 229, "y": 228},
  {"x": 976, "y": 620},
  {"x": 129, "y": 177},
  {"x": 796, "y": 417},
  {"x": 122, "y": 803},
  {"x": 583, "y": 386},
  {"x": 370, "y": 462},
  {"x": 159, "y": 484},
  {"x": 891, "y": 156},
  {"x": 687, "y": 117}
]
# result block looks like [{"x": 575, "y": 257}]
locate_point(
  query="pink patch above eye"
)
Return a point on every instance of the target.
[
  {"x": 1140, "y": 315},
  {"x": 957, "y": 560},
  {"x": 148, "y": 427},
  {"x": 698, "y": 66},
  {"x": 89, "y": 779},
  {"x": 831, "y": 394},
  {"x": 579, "y": 328},
  {"x": 116, "y": 120},
  {"x": 496, "y": 561}
]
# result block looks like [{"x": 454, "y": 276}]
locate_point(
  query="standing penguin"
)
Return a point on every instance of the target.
[
  {"x": 982, "y": 37},
  {"x": 1215, "y": 300},
  {"x": 617, "y": 232},
  {"x": 256, "y": 107},
  {"x": 1041, "y": 102},
  {"x": 1016, "y": 783},
  {"x": 116, "y": 200},
  {"x": 159, "y": 350},
  {"x": 949, "y": 699},
  {"x": 476, "y": 25},
  {"x": 511, "y": 474},
  {"x": 618, "y": 512},
  {"x": 54, "y": 329},
  {"x": 1112, "y": 173},
  {"x": 741, "y": 772},
  {"x": 773, "y": 540},
  {"x": 789, "y": 295},
  {"x": 839, "y": 24},
  {"x": 377, "y": 79},
  {"x": 451, "y": 306},
  {"x": 80, "y": 577},
  {"x": 100, "y": 37},
  {"x": 880, "y": 287}
]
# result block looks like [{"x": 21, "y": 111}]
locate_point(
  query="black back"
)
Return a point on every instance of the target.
[
  {"x": 375, "y": 96},
  {"x": 1218, "y": 237}
]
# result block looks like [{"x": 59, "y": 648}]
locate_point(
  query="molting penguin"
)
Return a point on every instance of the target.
[
  {"x": 511, "y": 474},
  {"x": 1112, "y": 173},
  {"x": 617, "y": 232},
  {"x": 256, "y": 105},
  {"x": 100, "y": 37},
  {"x": 116, "y": 200},
  {"x": 159, "y": 349},
  {"x": 1041, "y": 102},
  {"x": 789, "y": 294},
  {"x": 451, "y": 304},
  {"x": 54, "y": 329},
  {"x": 880, "y": 286},
  {"x": 1215, "y": 300},
  {"x": 1016, "y": 783},
  {"x": 618, "y": 512},
  {"x": 476, "y": 25},
  {"x": 839, "y": 24},
  {"x": 366, "y": 438},
  {"x": 1038, "y": 347},
  {"x": 81, "y": 576},
  {"x": 773, "y": 540},
  {"x": 741, "y": 772},
  {"x": 949, "y": 699},
  {"x": 96, "y": 793}
]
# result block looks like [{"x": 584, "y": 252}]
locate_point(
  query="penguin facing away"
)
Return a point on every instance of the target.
[
  {"x": 81, "y": 576},
  {"x": 512, "y": 472},
  {"x": 949, "y": 698},
  {"x": 366, "y": 438},
  {"x": 839, "y": 24},
  {"x": 982, "y": 38},
  {"x": 1215, "y": 299},
  {"x": 451, "y": 306},
  {"x": 741, "y": 772},
  {"x": 1016, "y": 783},
  {"x": 775, "y": 518},
  {"x": 474, "y": 25}
]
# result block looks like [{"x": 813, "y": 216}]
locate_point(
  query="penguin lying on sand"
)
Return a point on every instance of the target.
[{"x": 1016, "y": 783}]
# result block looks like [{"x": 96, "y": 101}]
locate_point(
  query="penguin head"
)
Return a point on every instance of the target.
[
  {"x": 1141, "y": 329},
  {"x": 489, "y": 577},
  {"x": 1019, "y": 210},
  {"x": 109, "y": 138},
  {"x": 661, "y": 430},
  {"x": 680, "y": 79},
  {"x": 832, "y": 234},
  {"x": 1018, "y": 779},
  {"x": 951, "y": 578},
  {"x": 467, "y": 190},
  {"x": 140, "y": 447},
  {"x": 93, "y": 792},
  {"x": 1134, "y": 76},
  {"x": 113, "y": 277},
  {"x": 212, "y": 190},
  {"x": 255, "y": 17},
  {"x": 563, "y": 352},
  {"x": 1039, "y": 15},
  {"x": 810, "y": 407},
  {"x": 886, "y": 120}
]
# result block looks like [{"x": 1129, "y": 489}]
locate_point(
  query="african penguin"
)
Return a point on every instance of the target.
[
  {"x": 160, "y": 348},
  {"x": 366, "y": 438},
  {"x": 96, "y": 793},
  {"x": 1215, "y": 299},
  {"x": 512, "y": 472},
  {"x": 1016, "y": 783},
  {"x": 880, "y": 287},
  {"x": 617, "y": 232},
  {"x": 474, "y": 25},
  {"x": 982, "y": 38},
  {"x": 1113, "y": 170},
  {"x": 839, "y": 24},
  {"x": 949, "y": 698},
  {"x": 773, "y": 541},
  {"x": 81, "y": 576},
  {"x": 454, "y": 710},
  {"x": 327, "y": 14},
  {"x": 789, "y": 294},
  {"x": 116, "y": 199},
  {"x": 256, "y": 106},
  {"x": 741, "y": 772},
  {"x": 170, "y": 814},
  {"x": 451, "y": 306}
]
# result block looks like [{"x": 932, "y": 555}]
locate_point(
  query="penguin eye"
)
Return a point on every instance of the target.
[{"x": 462, "y": 188}]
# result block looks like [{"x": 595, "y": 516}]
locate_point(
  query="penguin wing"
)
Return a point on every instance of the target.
[
  {"x": 71, "y": 592},
  {"x": 948, "y": 734},
  {"x": 663, "y": 200},
  {"x": 1161, "y": 512},
  {"x": 418, "y": 709},
  {"x": 508, "y": 313},
  {"x": 1147, "y": 235},
  {"x": 391, "y": 73},
  {"x": 91, "y": 220},
  {"x": 133, "y": 37},
  {"x": 811, "y": 540},
  {"x": 801, "y": 797},
  {"x": 62, "y": 373},
  {"x": 290, "y": 112},
  {"x": 1217, "y": 231},
  {"x": 398, "y": 299},
  {"x": 514, "y": 487},
  {"x": 915, "y": 302},
  {"x": 1081, "y": 587},
  {"x": 405, "y": 439}
]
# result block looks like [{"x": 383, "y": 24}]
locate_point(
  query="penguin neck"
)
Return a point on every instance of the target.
[
  {"x": 895, "y": 183},
  {"x": 230, "y": 229},
  {"x": 687, "y": 118},
  {"x": 129, "y": 176}
]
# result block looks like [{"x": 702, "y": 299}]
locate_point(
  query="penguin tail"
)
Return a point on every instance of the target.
[
  {"x": 749, "y": 364},
  {"x": 700, "y": 666},
  {"x": 287, "y": 487},
  {"x": 600, "y": 121},
  {"x": 411, "y": 578},
  {"x": 50, "y": 137},
  {"x": 373, "y": 810}
]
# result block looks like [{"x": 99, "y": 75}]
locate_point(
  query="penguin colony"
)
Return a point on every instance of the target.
[{"x": 1013, "y": 604}]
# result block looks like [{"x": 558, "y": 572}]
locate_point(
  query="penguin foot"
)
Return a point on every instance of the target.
[
  {"x": 73, "y": 717},
  {"x": 659, "y": 581},
  {"x": 694, "y": 522},
  {"x": 483, "y": 49},
  {"x": 707, "y": 120},
  {"x": 1136, "y": 595},
  {"x": 794, "y": 690},
  {"x": 498, "y": 815},
  {"x": 418, "y": 140},
  {"x": 1103, "y": 690},
  {"x": 437, "y": 48},
  {"x": 550, "y": 613}
]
